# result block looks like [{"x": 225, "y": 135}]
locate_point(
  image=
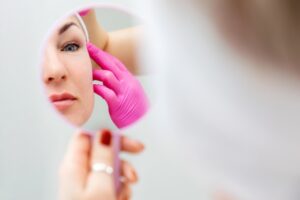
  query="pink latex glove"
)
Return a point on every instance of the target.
[
  {"x": 84, "y": 12},
  {"x": 122, "y": 92}
]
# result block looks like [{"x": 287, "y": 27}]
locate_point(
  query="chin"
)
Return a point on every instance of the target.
[
  {"x": 76, "y": 116},
  {"x": 79, "y": 115},
  {"x": 76, "y": 120}
]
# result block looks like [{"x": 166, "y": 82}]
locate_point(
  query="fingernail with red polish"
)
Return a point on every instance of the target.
[{"x": 106, "y": 137}]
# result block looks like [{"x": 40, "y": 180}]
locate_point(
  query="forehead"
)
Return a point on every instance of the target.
[
  {"x": 71, "y": 18},
  {"x": 58, "y": 32},
  {"x": 67, "y": 20},
  {"x": 54, "y": 37},
  {"x": 61, "y": 27}
]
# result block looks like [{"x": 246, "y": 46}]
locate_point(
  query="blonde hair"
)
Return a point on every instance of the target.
[{"x": 269, "y": 28}]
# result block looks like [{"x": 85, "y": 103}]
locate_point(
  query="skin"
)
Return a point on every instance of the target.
[
  {"x": 122, "y": 43},
  {"x": 66, "y": 62},
  {"x": 242, "y": 23},
  {"x": 223, "y": 195},
  {"x": 78, "y": 182}
]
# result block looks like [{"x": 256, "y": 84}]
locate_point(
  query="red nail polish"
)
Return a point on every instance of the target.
[{"x": 106, "y": 137}]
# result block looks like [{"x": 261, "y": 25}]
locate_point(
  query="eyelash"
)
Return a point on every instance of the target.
[{"x": 70, "y": 45}]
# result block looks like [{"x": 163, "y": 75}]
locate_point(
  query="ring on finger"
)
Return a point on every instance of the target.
[{"x": 102, "y": 167}]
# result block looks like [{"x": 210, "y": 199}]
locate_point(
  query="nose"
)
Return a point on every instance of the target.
[
  {"x": 56, "y": 77},
  {"x": 54, "y": 71}
]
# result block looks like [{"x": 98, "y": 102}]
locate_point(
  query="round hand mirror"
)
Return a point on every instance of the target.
[{"x": 90, "y": 71}]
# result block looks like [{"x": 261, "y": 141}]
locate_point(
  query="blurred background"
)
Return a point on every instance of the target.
[
  {"x": 33, "y": 139},
  {"x": 226, "y": 99}
]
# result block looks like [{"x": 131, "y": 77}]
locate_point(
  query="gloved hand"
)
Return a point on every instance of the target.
[{"x": 123, "y": 93}]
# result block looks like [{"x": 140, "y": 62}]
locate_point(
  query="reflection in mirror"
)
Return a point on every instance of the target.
[{"x": 90, "y": 70}]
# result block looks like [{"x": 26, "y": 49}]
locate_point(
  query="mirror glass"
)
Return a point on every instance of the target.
[{"x": 90, "y": 69}]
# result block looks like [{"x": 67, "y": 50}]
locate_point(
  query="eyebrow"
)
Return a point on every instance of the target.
[{"x": 66, "y": 27}]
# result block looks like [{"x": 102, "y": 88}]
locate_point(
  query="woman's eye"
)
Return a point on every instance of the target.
[{"x": 70, "y": 47}]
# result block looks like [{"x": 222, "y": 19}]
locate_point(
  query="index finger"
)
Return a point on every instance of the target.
[
  {"x": 130, "y": 145},
  {"x": 75, "y": 166},
  {"x": 103, "y": 59}
]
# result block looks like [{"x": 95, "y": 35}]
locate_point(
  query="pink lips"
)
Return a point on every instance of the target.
[{"x": 62, "y": 101}]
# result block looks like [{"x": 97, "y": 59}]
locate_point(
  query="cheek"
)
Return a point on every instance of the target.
[
  {"x": 87, "y": 90},
  {"x": 80, "y": 75},
  {"x": 79, "y": 69},
  {"x": 83, "y": 75}
]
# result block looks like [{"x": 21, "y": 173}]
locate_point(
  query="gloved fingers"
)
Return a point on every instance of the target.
[
  {"x": 84, "y": 12},
  {"x": 107, "y": 94},
  {"x": 117, "y": 62},
  {"x": 121, "y": 66},
  {"x": 104, "y": 60},
  {"x": 108, "y": 79}
]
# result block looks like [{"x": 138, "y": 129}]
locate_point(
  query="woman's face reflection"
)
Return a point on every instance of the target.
[{"x": 67, "y": 72}]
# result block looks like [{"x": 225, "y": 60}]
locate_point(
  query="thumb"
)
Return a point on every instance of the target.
[{"x": 75, "y": 165}]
